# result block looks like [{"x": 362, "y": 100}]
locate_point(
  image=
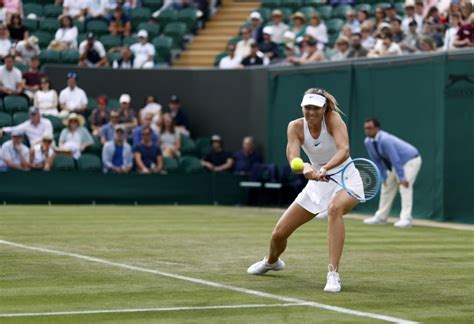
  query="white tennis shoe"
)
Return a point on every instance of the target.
[
  {"x": 374, "y": 220},
  {"x": 333, "y": 283},
  {"x": 403, "y": 223},
  {"x": 262, "y": 267}
]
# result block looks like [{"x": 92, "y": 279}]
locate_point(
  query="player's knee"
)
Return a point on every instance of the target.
[{"x": 335, "y": 210}]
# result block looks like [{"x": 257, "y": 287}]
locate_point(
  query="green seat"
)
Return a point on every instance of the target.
[
  {"x": 163, "y": 46},
  {"x": 51, "y": 10},
  {"x": 234, "y": 40},
  {"x": 64, "y": 163},
  {"x": 49, "y": 25},
  {"x": 129, "y": 41},
  {"x": 190, "y": 164},
  {"x": 188, "y": 147},
  {"x": 56, "y": 121},
  {"x": 70, "y": 56},
  {"x": 95, "y": 148},
  {"x": 176, "y": 31},
  {"x": 341, "y": 11},
  {"x": 152, "y": 29},
  {"x": 22, "y": 67},
  {"x": 115, "y": 56},
  {"x": 219, "y": 57},
  {"x": 308, "y": 12},
  {"x": 80, "y": 38},
  {"x": 334, "y": 25},
  {"x": 315, "y": 3},
  {"x": 20, "y": 117},
  {"x": 203, "y": 146},
  {"x": 140, "y": 15},
  {"x": 400, "y": 8},
  {"x": 110, "y": 41},
  {"x": 266, "y": 14},
  {"x": 325, "y": 12},
  {"x": 381, "y": 5},
  {"x": 167, "y": 16},
  {"x": 33, "y": 8},
  {"x": 98, "y": 27},
  {"x": 49, "y": 56},
  {"x": 332, "y": 39},
  {"x": 81, "y": 27},
  {"x": 113, "y": 104},
  {"x": 364, "y": 6},
  {"x": 170, "y": 164},
  {"x": 5, "y": 120},
  {"x": 294, "y": 5},
  {"x": 89, "y": 162},
  {"x": 13, "y": 104},
  {"x": 188, "y": 16},
  {"x": 271, "y": 4},
  {"x": 44, "y": 38},
  {"x": 286, "y": 14},
  {"x": 30, "y": 24},
  {"x": 91, "y": 104},
  {"x": 152, "y": 4}
]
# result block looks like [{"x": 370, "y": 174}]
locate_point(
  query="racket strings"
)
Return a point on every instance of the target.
[{"x": 370, "y": 177}]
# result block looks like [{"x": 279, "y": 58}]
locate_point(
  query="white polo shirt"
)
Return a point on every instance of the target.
[
  {"x": 141, "y": 53},
  {"x": 34, "y": 133},
  {"x": 9, "y": 79},
  {"x": 230, "y": 63},
  {"x": 98, "y": 46},
  {"x": 75, "y": 6},
  {"x": 5, "y": 46},
  {"x": 73, "y": 99}
]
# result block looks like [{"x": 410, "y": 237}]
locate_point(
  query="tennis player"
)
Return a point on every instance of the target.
[{"x": 323, "y": 136}]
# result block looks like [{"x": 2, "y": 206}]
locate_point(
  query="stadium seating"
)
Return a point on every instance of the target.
[
  {"x": 49, "y": 24},
  {"x": 188, "y": 146},
  {"x": 140, "y": 15},
  {"x": 50, "y": 56},
  {"x": 152, "y": 29},
  {"x": 98, "y": 27},
  {"x": 190, "y": 164},
  {"x": 51, "y": 10},
  {"x": 56, "y": 122},
  {"x": 176, "y": 31},
  {"x": 341, "y": 11},
  {"x": 89, "y": 162},
  {"x": 44, "y": 38},
  {"x": 64, "y": 163},
  {"x": 167, "y": 16},
  {"x": 5, "y": 119},
  {"x": 188, "y": 17},
  {"x": 163, "y": 45},
  {"x": 30, "y": 24},
  {"x": 110, "y": 41},
  {"x": 203, "y": 146},
  {"x": 170, "y": 164},
  {"x": 70, "y": 56},
  {"x": 33, "y": 8},
  {"x": 20, "y": 117},
  {"x": 13, "y": 104}
]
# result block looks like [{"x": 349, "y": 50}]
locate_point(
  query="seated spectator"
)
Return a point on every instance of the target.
[
  {"x": 255, "y": 20},
  {"x": 430, "y": 30},
  {"x": 242, "y": 49},
  {"x": 231, "y": 61},
  {"x": 379, "y": 16},
  {"x": 97, "y": 9},
  {"x": 367, "y": 41},
  {"x": 426, "y": 44},
  {"x": 419, "y": 15},
  {"x": 34, "y": 128},
  {"x": 13, "y": 7},
  {"x": 17, "y": 30},
  {"x": 170, "y": 139},
  {"x": 346, "y": 31},
  {"x": 25, "y": 50},
  {"x": 352, "y": 21},
  {"x": 357, "y": 50},
  {"x": 46, "y": 99},
  {"x": 33, "y": 77},
  {"x": 143, "y": 51},
  {"x": 137, "y": 131},
  {"x": 410, "y": 42},
  {"x": 72, "y": 98},
  {"x": 127, "y": 116},
  {"x": 10, "y": 78},
  {"x": 267, "y": 46},
  {"x": 76, "y": 9},
  {"x": 289, "y": 39},
  {"x": 451, "y": 32},
  {"x": 254, "y": 58},
  {"x": 465, "y": 34},
  {"x": 151, "y": 107},
  {"x": 409, "y": 15},
  {"x": 247, "y": 158},
  {"x": 342, "y": 49},
  {"x": 362, "y": 16},
  {"x": 5, "y": 43},
  {"x": 3, "y": 19},
  {"x": 179, "y": 116},
  {"x": 42, "y": 154},
  {"x": 278, "y": 26},
  {"x": 125, "y": 61},
  {"x": 395, "y": 28},
  {"x": 317, "y": 30},
  {"x": 66, "y": 36},
  {"x": 217, "y": 159},
  {"x": 117, "y": 153},
  {"x": 15, "y": 154},
  {"x": 100, "y": 116},
  {"x": 75, "y": 138},
  {"x": 148, "y": 158},
  {"x": 119, "y": 23},
  {"x": 298, "y": 27},
  {"x": 387, "y": 47},
  {"x": 390, "y": 12},
  {"x": 311, "y": 53},
  {"x": 107, "y": 131},
  {"x": 92, "y": 52}
]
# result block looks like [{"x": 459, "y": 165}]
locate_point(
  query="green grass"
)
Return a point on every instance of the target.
[{"x": 420, "y": 274}]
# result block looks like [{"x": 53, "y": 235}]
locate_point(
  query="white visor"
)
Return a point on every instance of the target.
[{"x": 313, "y": 100}]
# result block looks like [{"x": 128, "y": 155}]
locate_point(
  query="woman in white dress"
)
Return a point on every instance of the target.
[
  {"x": 75, "y": 138},
  {"x": 66, "y": 36},
  {"x": 46, "y": 99}
]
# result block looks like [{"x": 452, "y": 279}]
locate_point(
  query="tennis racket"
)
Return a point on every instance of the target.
[{"x": 369, "y": 174}]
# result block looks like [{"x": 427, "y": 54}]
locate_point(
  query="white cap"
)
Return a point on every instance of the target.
[
  {"x": 255, "y": 15},
  {"x": 268, "y": 30},
  {"x": 125, "y": 98},
  {"x": 409, "y": 3},
  {"x": 289, "y": 35},
  {"x": 313, "y": 99},
  {"x": 47, "y": 136},
  {"x": 143, "y": 33}
]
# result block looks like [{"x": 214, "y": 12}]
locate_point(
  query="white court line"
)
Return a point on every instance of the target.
[
  {"x": 214, "y": 284},
  {"x": 141, "y": 310}
]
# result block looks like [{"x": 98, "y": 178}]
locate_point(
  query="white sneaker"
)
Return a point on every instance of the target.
[
  {"x": 403, "y": 223},
  {"x": 374, "y": 220},
  {"x": 333, "y": 283},
  {"x": 262, "y": 267}
]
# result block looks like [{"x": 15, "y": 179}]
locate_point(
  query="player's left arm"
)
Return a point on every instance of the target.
[{"x": 337, "y": 128}]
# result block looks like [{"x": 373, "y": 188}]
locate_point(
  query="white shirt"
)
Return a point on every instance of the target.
[
  {"x": 97, "y": 46},
  {"x": 97, "y": 7},
  {"x": 449, "y": 37},
  {"x": 75, "y": 6},
  {"x": 151, "y": 108},
  {"x": 9, "y": 153},
  {"x": 33, "y": 132},
  {"x": 73, "y": 99},
  {"x": 9, "y": 79},
  {"x": 404, "y": 26},
  {"x": 40, "y": 156},
  {"x": 368, "y": 43},
  {"x": 25, "y": 52},
  {"x": 5, "y": 46},
  {"x": 319, "y": 32},
  {"x": 46, "y": 99},
  {"x": 242, "y": 49},
  {"x": 142, "y": 52},
  {"x": 68, "y": 35},
  {"x": 278, "y": 31},
  {"x": 394, "y": 49},
  {"x": 230, "y": 63},
  {"x": 3, "y": 14}
]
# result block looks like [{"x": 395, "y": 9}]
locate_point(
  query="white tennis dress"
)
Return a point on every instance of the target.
[{"x": 317, "y": 195}]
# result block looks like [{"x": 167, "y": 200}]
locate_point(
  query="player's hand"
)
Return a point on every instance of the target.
[
  {"x": 404, "y": 183},
  {"x": 322, "y": 175},
  {"x": 309, "y": 172}
]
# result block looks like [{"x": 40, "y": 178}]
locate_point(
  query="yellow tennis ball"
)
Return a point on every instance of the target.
[{"x": 296, "y": 164}]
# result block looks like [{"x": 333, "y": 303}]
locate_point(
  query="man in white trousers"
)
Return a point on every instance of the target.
[{"x": 399, "y": 163}]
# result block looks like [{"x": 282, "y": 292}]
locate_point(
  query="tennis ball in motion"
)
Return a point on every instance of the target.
[{"x": 296, "y": 164}]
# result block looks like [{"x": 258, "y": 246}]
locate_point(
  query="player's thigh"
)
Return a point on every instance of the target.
[
  {"x": 342, "y": 203},
  {"x": 294, "y": 217}
]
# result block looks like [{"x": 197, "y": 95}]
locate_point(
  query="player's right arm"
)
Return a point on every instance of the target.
[{"x": 293, "y": 147}]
